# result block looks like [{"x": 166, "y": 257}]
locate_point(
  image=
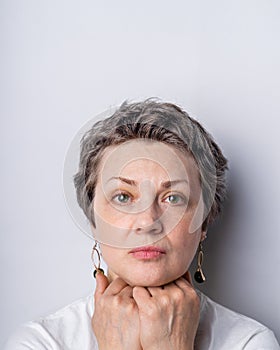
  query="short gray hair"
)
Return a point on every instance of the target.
[{"x": 160, "y": 121}]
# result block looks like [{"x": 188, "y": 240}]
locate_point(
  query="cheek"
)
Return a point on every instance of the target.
[
  {"x": 113, "y": 257},
  {"x": 183, "y": 242},
  {"x": 108, "y": 253},
  {"x": 110, "y": 225},
  {"x": 107, "y": 213}
]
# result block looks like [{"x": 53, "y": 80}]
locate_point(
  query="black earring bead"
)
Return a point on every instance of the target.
[
  {"x": 199, "y": 277},
  {"x": 97, "y": 270}
]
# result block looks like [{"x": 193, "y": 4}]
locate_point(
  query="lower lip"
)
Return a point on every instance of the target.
[{"x": 145, "y": 254}]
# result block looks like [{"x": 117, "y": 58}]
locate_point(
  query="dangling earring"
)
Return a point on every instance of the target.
[
  {"x": 96, "y": 266},
  {"x": 199, "y": 275}
]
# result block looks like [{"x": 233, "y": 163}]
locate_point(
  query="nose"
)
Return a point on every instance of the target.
[{"x": 148, "y": 221}]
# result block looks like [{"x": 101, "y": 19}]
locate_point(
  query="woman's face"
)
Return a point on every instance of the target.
[{"x": 147, "y": 212}]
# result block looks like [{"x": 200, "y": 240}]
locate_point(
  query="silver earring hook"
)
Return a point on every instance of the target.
[
  {"x": 96, "y": 266},
  {"x": 95, "y": 250}
]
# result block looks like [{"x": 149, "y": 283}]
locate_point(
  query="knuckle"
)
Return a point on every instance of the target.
[
  {"x": 165, "y": 300},
  {"x": 178, "y": 295},
  {"x": 130, "y": 307},
  {"x": 117, "y": 300},
  {"x": 151, "y": 310}
]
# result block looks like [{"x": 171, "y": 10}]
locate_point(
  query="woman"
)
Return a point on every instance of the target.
[{"x": 150, "y": 181}]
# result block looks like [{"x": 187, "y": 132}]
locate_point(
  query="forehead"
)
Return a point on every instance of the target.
[{"x": 141, "y": 158}]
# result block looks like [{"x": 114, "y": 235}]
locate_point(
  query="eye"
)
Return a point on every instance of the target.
[
  {"x": 175, "y": 199},
  {"x": 121, "y": 198}
]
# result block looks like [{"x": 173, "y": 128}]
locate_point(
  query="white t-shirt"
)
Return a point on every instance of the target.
[{"x": 70, "y": 329}]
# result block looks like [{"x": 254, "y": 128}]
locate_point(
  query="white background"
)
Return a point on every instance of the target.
[{"x": 65, "y": 61}]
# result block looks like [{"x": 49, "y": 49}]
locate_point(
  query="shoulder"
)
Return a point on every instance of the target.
[
  {"x": 227, "y": 329},
  {"x": 67, "y": 328}
]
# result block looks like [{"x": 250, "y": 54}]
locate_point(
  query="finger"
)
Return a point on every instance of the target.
[
  {"x": 101, "y": 284},
  {"x": 154, "y": 291},
  {"x": 127, "y": 292},
  {"x": 183, "y": 284},
  {"x": 187, "y": 276},
  {"x": 141, "y": 295},
  {"x": 169, "y": 287},
  {"x": 115, "y": 287}
]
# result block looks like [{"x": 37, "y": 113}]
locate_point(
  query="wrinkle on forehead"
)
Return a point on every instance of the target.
[{"x": 136, "y": 158}]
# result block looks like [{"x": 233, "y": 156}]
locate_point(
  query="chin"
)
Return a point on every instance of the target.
[{"x": 147, "y": 281}]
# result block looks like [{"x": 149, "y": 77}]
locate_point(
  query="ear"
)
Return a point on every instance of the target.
[
  {"x": 205, "y": 224},
  {"x": 204, "y": 229},
  {"x": 203, "y": 236}
]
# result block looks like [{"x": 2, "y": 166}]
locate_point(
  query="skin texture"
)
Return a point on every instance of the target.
[{"x": 146, "y": 303}]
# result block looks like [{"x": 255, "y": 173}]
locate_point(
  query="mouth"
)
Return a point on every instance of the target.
[{"x": 146, "y": 253}]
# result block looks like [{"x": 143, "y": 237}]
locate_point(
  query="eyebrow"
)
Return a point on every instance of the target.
[{"x": 166, "y": 184}]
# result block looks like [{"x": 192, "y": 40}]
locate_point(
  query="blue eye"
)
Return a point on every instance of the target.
[
  {"x": 175, "y": 199},
  {"x": 122, "y": 198}
]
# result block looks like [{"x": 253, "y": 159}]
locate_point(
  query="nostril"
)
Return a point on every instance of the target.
[{"x": 155, "y": 228}]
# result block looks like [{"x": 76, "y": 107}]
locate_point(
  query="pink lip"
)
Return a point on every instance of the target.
[{"x": 148, "y": 252}]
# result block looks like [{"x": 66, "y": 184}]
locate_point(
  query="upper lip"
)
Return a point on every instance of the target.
[{"x": 147, "y": 249}]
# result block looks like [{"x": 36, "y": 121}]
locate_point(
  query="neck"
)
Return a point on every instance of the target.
[{"x": 111, "y": 276}]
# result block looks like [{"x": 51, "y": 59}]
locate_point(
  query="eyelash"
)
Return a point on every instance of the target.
[
  {"x": 181, "y": 197},
  {"x": 119, "y": 194}
]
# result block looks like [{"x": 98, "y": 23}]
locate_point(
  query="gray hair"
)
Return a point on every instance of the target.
[{"x": 159, "y": 121}]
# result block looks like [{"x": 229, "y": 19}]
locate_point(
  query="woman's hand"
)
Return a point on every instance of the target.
[
  {"x": 115, "y": 321},
  {"x": 169, "y": 315}
]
